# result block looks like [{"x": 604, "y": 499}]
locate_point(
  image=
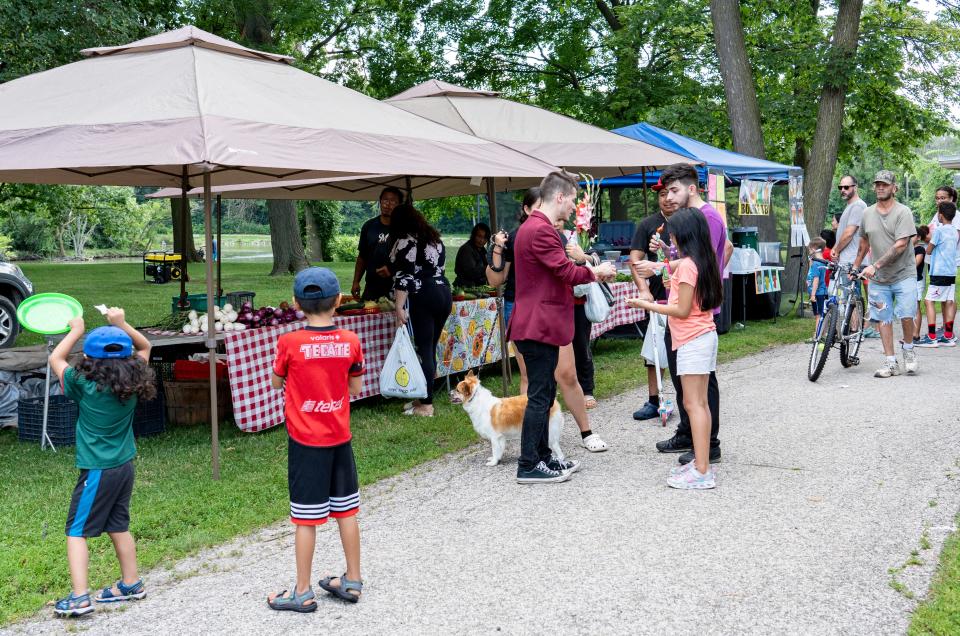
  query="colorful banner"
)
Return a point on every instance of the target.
[
  {"x": 716, "y": 196},
  {"x": 767, "y": 280},
  {"x": 470, "y": 338},
  {"x": 755, "y": 197},
  {"x": 799, "y": 237}
]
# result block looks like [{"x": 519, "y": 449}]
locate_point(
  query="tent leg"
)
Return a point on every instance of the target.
[
  {"x": 44, "y": 436},
  {"x": 184, "y": 221},
  {"x": 504, "y": 357},
  {"x": 219, "y": 245},
  {"x": 211, "y": 330},
  {"x": 643, "y": 178},
  {"x": 409, "y": 183}
]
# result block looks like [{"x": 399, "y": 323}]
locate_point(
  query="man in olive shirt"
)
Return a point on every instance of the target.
[{"x": 887, "y": 230}]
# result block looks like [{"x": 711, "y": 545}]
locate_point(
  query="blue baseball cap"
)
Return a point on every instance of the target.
[
  {"x": 315, "y": 282},
  {"x": 108, "y": 342}
]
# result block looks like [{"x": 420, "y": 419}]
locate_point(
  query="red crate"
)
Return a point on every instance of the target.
[{"x": 190, "y": 370}]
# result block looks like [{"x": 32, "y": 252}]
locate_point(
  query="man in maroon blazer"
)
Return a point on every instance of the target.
[{"x": 542, "y": 320}]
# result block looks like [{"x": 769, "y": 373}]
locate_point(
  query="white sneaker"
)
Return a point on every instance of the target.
[
  {"x": 910, "y": 362},
  {"x": 887, "y": 369}
]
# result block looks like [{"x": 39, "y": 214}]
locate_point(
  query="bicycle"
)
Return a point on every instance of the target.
[{"x": 841, "y": 323}]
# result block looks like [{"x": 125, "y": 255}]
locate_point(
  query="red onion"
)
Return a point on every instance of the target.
[
  {"x": 299, "y": 315},
  {"x": 277, "y": 312},
  {"x": 274, "y": 322}
]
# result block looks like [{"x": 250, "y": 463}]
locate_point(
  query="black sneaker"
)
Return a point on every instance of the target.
[
  {"x": 647, "y": 412},
  {"x": 675, "y": 444},
  {"x": 563, "y": 465},
  {"x": 541, "y": 474},
  {"x": 686, "y": 458}
]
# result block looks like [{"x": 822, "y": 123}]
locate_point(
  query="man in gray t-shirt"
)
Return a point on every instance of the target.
[
  {"x": 845, "y": 251},
  {"x": 887, "y": 230}
]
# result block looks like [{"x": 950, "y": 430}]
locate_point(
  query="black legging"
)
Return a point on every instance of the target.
[
  {"x": 429, "y": 310},
  {"x": 581, "y": 349}
]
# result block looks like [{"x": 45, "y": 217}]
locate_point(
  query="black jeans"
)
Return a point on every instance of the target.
[
  {"x": 713, "y": 396},
  {"x": 541, "y": 360},
  {"x": 429, "y": 310},
  {"x": 581, "y": 349}
]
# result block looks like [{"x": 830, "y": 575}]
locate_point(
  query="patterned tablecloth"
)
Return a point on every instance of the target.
[{"x": 470, "y": 338}]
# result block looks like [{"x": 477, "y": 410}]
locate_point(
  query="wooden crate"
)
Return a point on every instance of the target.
[{"x": 188, "y": 401}]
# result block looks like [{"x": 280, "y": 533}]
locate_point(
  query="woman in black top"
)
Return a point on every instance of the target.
[
  {"x": 417, "y": 260},
  {"x": 471, "y": 265}
]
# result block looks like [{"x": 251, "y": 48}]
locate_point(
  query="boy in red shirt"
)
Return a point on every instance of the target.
[{"x": 319, "y": 367}]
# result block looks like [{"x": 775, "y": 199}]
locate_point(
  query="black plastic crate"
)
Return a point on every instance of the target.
[
  {"x": 61, "y": 420},
  {"x": 150, "y": 418}
]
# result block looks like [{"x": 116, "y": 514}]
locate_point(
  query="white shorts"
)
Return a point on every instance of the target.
[
  {"x": 940, "y": 293},
  {"x": 921, "y": 286},
  {"x": 699, "y": 356}
]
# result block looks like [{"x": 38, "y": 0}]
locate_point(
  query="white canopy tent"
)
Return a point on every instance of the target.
[{"x": 188, "y": 108}]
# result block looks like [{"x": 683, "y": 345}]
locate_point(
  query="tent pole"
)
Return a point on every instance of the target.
[
  {"x": 504, "y": 353},
  {"x": 184, "y": 216},
  {"x": 219, "y": 245},
  {"x": 211, "y": 330},
  {"x": 409, "y": 190},
  {"x": 643, "y": 178}
]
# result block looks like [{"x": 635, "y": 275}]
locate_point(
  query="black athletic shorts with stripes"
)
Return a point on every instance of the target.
[
  {"x": 101, "y": 501},
  {"x": 323, "y": 483}
]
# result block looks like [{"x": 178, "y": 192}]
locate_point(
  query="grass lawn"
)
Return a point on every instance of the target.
[
  {"x": 940, "y": 613},
  {"x": 177, "y": 509}
]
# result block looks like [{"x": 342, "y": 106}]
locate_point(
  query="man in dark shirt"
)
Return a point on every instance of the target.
[
  {"x": 374, "y": 250},
  {"x": 640, "y": 249}
]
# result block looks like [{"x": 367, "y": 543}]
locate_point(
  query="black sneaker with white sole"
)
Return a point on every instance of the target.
[
  {"x": 675, "y": 444},
  {"x": 541, "y": 474},
  {"x": 686, "y": 458},
  {"x": 563, "y": 465}
]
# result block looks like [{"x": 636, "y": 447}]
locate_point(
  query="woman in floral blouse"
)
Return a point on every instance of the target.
[{"x": 417, "y": 260}]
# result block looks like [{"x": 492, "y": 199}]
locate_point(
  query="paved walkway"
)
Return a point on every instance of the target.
[{"x": 823, "y": 489}]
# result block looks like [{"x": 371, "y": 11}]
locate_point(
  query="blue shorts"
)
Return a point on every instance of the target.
[
  {"x": 819, "y": 302},
  {"x": 892, "y": 300}
]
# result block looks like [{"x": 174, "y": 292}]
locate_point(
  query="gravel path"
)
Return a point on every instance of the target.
[{"x": 823, "y": 489}]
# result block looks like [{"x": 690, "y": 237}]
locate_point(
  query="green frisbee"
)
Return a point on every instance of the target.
[{"x": 49, "y": 314}]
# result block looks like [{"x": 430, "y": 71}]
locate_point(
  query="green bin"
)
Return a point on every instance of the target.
[
  {"x": 198, "y": 302},
  {"x": 746, "y": 237}
]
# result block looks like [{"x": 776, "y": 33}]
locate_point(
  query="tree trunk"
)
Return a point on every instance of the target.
[
  {"x": 191, "y": 251},
  {"x": 823, "y": 155},
  {"x": 314, "y": 248},
  {"x": 618, "y": 209},
  {"x": 288, "y": 256},
  {"x": 743, "y": 110}
]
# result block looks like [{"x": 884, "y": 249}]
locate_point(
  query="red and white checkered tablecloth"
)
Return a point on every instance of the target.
[
  {"x": 620, "y": 314},
  {"x": 250, "y": 354}
]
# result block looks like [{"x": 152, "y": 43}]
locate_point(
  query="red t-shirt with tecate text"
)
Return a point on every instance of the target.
[{"x": 317, "y": 363}]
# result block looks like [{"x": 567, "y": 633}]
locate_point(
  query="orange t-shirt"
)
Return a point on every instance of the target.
[
  {"x": 699, "y": 322},
  {"x": 317, "y": 363}
]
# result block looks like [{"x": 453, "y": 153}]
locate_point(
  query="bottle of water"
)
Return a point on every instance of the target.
[{"x": 662, "y": 257}]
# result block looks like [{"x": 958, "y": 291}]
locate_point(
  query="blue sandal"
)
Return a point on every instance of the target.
[
  {"x": 290, "y": 601},
  {"x": 133, "y": 592},
  {"x": 342, "y": 591},
  {"x": 73, "y": 605}
]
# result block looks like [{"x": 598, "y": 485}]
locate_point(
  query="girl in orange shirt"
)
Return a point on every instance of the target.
[{"x": 695, "y": 290}]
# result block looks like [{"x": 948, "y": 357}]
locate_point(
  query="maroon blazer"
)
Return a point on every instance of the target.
[{"x": 543, "y": 309}]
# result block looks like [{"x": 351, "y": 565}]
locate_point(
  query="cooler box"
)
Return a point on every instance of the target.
[
  {"x": 746, "y": 237},
  {"x": 190, "y": 370}
]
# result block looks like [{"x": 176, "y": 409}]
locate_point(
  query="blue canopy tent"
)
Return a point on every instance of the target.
[{"x": 734, "y": 165}]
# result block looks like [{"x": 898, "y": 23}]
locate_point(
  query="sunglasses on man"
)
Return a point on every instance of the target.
[{"x": 845, "y": 187}]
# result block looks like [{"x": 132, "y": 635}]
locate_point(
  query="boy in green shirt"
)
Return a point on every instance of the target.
[{"x": 105, "y": 385}]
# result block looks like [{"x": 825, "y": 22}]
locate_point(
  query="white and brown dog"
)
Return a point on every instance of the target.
[{"x": 500, "y": 419}]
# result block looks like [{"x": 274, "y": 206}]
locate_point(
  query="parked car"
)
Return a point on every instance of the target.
[{"x": 14, "y": 287}]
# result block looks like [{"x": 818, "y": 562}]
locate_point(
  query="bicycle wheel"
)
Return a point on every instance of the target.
[
  {"x": 826, "y": 332},
  {"x": 852, "y": 333}
]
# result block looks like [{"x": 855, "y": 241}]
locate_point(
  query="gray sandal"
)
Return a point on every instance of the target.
[
  {"x": 342, "y": 591},
  {"x": 292, "y": 602}
]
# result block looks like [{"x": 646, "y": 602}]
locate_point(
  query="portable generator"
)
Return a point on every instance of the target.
[{"x": 162, "y": 267}]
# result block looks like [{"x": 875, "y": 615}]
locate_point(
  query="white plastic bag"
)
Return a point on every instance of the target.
[
  {"x": 653, "y": 340},
  {"x": 402, "y": 376},
  {"x": 597, "y": 307}
]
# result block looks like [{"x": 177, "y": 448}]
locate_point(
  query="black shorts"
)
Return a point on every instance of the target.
[
  {"x": 323, "y": 483},
  {"x": 101, "y": 501}
]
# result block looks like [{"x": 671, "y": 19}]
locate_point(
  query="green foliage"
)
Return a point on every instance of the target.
[
  {"x": 343, "y": 248},
  {"x": 328, "y": 219}
]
